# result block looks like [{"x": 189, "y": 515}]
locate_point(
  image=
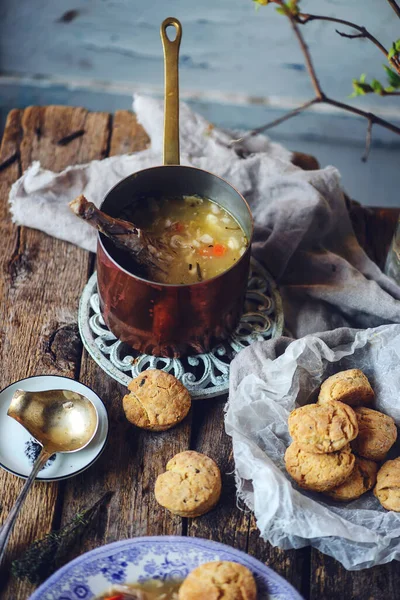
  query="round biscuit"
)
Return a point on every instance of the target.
[
  {"x": 387, "y": 488},
  {"x": 377, "y": 433},
  {"x": 157, "y": 401},
  {"x": 351, "y": 387},
  {"x": 219, "y": 580},
  {"x": 322, "y": 428},
  {"x": 190, "y": 486},
  {"x": 318, "y": 472},
  {"x": 361, "y": 480}
]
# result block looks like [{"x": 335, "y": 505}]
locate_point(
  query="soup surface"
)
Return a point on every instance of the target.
[
  {"x": 150, "y": 590},
  {"x": 205, "y": 239}
]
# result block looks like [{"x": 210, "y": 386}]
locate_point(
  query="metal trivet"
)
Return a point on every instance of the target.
[{"x": 205, "y": 375}]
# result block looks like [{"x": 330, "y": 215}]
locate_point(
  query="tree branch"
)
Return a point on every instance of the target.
[
  {"x": 364, "y": 33},
  {"x": 395, "y": 7},
  {"x": 276, "y": 122},
  {"x": 320, "y": 97},
  {"x": 307, "y": 57},
  {"x": 362, "y": 113},
  {"x": 324, "y": 100}
]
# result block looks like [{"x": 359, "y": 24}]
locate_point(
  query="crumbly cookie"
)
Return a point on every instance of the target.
[
  {"x": 387, "y": 488},
  {"x": 376, "y": 434},
  {"x": 157, "y": 401},
  {"x": 322, "y": 428},
  {"x": 221, "y": 580},
  {"x": 319, "y": 472},
  {"x": 191, "y": 485},
  {"x": 362, "y": 479},
  {"x": 351, "y": 387}
]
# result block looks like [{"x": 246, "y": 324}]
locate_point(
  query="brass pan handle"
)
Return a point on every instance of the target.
[{"x": 171, "y": 94}]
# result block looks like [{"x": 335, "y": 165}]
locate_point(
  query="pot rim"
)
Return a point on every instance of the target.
[{"x": 180, "y": 285}]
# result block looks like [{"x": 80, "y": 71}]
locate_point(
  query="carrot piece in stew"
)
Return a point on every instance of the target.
[{"x": 219, "y": 250}]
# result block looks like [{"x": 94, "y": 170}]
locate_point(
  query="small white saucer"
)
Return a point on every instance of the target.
[{"x": 17, "y": 445}]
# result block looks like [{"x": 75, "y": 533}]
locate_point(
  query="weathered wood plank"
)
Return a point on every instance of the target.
[
  {"x": 293, "y": 565},
  {"x": 225, "y": 523},
  {"x": 225, "y": 51},
  {"x": 127, "y": 134},
  {"x": 141, "y": 456},
  {"x": 330, "y": 581},
  {"x": 39, "y": 298}
]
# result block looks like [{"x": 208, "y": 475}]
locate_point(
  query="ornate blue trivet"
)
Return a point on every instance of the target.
[{"x": 205, "y": 375}]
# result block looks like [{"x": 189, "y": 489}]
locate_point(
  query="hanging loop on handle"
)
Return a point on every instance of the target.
[{"x": 171, "y": 93}]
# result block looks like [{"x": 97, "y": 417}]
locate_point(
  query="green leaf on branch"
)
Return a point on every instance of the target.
[
  {"x": 394, "y": 50},
  {"x": 288, "y": 9},
  {"x": 393, "y": 77},
  {"x": 377, "y": 86},
  {"x": 360, "y": 88},
  {"x": 294, "y": 7}
]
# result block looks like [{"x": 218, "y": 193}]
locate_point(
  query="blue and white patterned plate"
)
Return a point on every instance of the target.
[{"x": 140, "y": 559}]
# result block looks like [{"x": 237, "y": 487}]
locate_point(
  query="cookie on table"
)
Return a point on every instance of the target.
[
  {"x": 190, "y": 486},
  {"x": 157, "y": 401},
  {"x": 351, "y": 387},
  {"x": 319, "y": 472},
  {"x": 219, "y": 580},
  {"x": 361, "y": 480},
  {"x": 376, "y": 434},
  {"x": 387, "y": 488},
  {"x": 322, "y": 428}
]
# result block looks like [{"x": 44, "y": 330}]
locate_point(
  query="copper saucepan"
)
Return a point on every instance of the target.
[{"x": 164, "y": 319}]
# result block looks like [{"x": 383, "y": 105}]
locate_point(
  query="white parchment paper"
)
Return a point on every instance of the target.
[{"x": 265, "y": 387}]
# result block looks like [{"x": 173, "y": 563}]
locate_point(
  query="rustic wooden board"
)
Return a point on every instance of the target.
[
  {"x": 42, "y": 281},
  {"x": 38, "y": 313}
]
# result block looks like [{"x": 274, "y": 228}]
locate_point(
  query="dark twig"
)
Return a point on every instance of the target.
[
  {"x": 368, "y": 139},
  {"x": 363, "y": 33},
  {"x": 307, "y": 57},
  {"x": 395, "y": 7},
  {"x": 350, "y": 36},
  {"x": 362, "y": 113},
  {"x": 276, "y": 122}
]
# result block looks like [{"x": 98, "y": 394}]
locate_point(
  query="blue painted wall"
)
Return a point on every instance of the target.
[{"x": 239, "y": 67}]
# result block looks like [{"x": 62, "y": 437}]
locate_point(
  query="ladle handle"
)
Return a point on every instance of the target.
[
  {"x": 6, "y": 528},
  {"x": 171, "y": 94}
]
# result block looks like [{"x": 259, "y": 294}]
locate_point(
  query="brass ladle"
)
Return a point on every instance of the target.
[{"x": 61, "y": 421}]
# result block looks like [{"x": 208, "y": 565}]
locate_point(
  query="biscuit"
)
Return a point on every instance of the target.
[
  {"x": 361, "y": 480},
  {"x": 191, "y": 485},
  {"x": 376, "y": 434},
  {"x": 322, "y": 428},
  {"x": 351, "y": 387},
  {"x": 221, "y": 580},
  {"x": 387, "y": 488},
  {"x": 157, "y": 401},
  {"x": 319, "y": 472}
]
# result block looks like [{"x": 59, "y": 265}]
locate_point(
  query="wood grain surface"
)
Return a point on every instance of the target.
[{"x": 42, "y": 279}]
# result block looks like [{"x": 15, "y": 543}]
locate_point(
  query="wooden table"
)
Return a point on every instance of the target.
[{"x": 42, "y": 279}]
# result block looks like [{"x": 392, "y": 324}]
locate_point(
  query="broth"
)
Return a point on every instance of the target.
[
  {"x": 205, "y": 238},
  {"x": 149, "y": 590}
]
